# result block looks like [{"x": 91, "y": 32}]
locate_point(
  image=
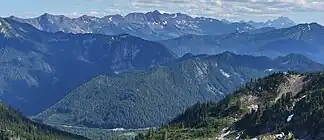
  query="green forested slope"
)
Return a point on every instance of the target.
[
  {"x": 153, "y": 97},
  {"x": 14, "y": 126},
  {"x": 280, "y": 105},
  {"x": 39, "y": 68}
]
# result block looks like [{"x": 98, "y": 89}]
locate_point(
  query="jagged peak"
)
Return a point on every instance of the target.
[
  {"x": 157, "y": 12},
  {"x": 282, "y": 18},
  {"x": 87, "y": 17},
  {"x": 114, "y": 16},
  {"x": 47, "y": 15},
  {"x": 227, "y": 54},
  {"x": 13, "y": 17},
  {"x": 134, "y": 14},
  {"x": 225, "y": 21}
]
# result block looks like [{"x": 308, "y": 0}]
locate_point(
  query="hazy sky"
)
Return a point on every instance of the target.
[{"x": 297, "y": 10}]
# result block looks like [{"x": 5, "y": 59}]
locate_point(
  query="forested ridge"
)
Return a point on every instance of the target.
[
  {"x": 41, "y": 68},
  {"x": 282, "y": 105},
  {"x": 15, "y": 126},
  {"x": 131, "y": 100}
]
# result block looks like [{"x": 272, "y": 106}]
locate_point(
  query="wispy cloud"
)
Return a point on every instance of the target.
[
  {"x": 228, "y": 9},
  {"x": 232, "y": 8}
]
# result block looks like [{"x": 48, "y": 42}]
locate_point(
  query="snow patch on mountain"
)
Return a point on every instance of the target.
[
  {"x": 269, "y": 70},
  {"x": 290, "y": 117},
  {"x": 309, "y": 27},
  {"x": 201, "y": 70},
  {"x": 224, "y": 73},
  {"x": 285, "y": 62}
]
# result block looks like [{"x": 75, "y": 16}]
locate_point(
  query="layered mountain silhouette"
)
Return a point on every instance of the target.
[
  {"x": 39, "y": 68},
  {"x": 151, "y": 25},
  {"x": 104, "y": 73},
  {"x": 280, "y": 22},
  {"x": 153, "y": 97},
  {"x": 305, "y": 39}
]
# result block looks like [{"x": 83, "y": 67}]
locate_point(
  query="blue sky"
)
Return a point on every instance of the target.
[{"x": 298, "y": 10}]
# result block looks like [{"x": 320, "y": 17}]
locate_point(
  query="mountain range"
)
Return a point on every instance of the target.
[
  {"x": 151, "y": 25},
  {"x": 39, "y": 68},
  {"x": 280, "y": 22},
  {"x": 280, "y": 106},
  {"x": 305, "y": 39},
  {"x": 131, "y": 100},
  {"x": 93, "y": 76}
]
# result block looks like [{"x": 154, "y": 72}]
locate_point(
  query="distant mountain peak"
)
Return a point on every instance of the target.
[
  {"x": 227, "y": 54},
  {"x": 86, "y": 17},
  {"x": 156, "y": 12},
  {"x": 279, "y": 22},
  {"x": 48, "y": 15},
  {"x": 152, "y": 25},
  {"x": 282, "y": 18},
  {"x": 294, "y": 57},
  {"x": 225, "y": 21}
]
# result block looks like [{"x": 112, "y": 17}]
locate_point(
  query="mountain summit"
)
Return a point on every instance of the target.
[{"x": 280, "y": 22}]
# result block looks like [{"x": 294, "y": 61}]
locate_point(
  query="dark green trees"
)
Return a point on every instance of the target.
[{"x": 14, "y": 125}]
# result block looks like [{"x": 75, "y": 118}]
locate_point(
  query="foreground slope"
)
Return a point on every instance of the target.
[
  {"x": 153, "y": 97},
  {"x": 14, "y": 126},
  {"x": 280, "y": 105},
  {"x": 40, "y": 68}
]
